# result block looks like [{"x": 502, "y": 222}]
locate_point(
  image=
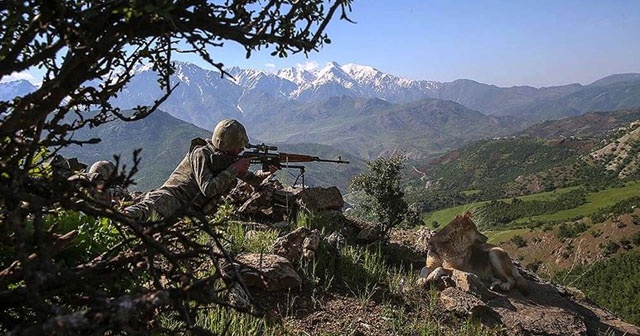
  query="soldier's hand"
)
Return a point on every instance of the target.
[
  {"x": 242, "y": 165},
  {"x": 271, "y": 171}
]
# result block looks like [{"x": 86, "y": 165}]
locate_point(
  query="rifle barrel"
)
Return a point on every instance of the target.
[{"x": 334, "y": 161}]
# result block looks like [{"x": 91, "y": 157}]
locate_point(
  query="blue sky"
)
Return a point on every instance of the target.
[{"x": 505, "y": 43}]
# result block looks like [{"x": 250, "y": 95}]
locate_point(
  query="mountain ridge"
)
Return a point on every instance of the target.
[
  {"x": 165, "y": 140},
  {"x": 254, "y": 94},
  {"x": 599, "y": 147},
  {"x": 296, "y": 105},
  {"x": 203, "y": 96}
]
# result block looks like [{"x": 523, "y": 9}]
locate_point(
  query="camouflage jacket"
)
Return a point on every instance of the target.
[{"x": 204, "y": 175}]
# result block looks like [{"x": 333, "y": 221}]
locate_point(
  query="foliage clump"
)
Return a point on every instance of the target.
[{"x": 383, "y": 194}]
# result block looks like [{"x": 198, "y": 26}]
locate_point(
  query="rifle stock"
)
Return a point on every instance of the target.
[{"x": 289, "y": 157}]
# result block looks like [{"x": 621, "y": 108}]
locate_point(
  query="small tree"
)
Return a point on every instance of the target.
[{"x": 382, "y": 193}]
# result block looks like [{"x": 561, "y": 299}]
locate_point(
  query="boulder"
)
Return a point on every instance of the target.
[
  {"x": 463, "y": 303},
  {"x": 267, "y": 271},
  {"x": 369, "y": 234},
  {"x": 313, "y": 199},
  {"x": 301, "y": 242}
]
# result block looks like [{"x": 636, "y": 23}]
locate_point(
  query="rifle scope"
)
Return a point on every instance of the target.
[{"x": 262, "y": 147}]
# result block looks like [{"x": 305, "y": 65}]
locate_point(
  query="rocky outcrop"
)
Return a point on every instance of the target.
[
  {"x": 267, "y": 271},
  {"x": 315, "y": 199},
  {"x": 300, "y": 243},
  {"x": 547, "y": 310}
]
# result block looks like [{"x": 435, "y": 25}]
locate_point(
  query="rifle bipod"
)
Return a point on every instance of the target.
[{"x": 299, "y": 177}]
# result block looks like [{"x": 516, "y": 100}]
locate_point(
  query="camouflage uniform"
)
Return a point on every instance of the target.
[{"x": 204, "y": 175}]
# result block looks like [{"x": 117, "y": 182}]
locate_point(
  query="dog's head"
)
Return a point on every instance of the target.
[{"x": 460, "y": 231}]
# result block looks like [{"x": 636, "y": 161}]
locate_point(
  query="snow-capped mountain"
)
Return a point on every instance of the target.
[
  {"x": 335, "y": 80},
  {"x": 375, "y": 83},
  {"x": 202, "y": 97},
  {"x": 360, "y": 109},
  {"x": 17, "y": 88},
  {"x": 200, "y": 94}
]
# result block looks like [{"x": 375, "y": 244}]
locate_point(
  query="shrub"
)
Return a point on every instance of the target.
[
  {"x": 611, "y": 248},
  {"x": 519, "y": 241},
  {"x": 381, "y": 185}
]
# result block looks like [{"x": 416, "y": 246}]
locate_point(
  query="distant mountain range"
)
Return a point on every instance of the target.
[
  {"x": 253, "y": 96},
  {"x": 362, "y": 110}
]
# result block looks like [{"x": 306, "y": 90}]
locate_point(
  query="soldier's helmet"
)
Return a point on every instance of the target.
[
  {"x": 102, "y": 169},
  {"x": 229, "y": 134}
]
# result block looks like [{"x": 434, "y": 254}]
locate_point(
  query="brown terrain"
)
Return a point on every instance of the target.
[{"x": 445, "y": 308}]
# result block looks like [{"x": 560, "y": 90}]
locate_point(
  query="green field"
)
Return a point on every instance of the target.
[
  {"x": 496, "y": 237},
  {"x": 545, "y": 196},
  {"x": 444, "y": 216},
  {"x": 595, "y": 201}
]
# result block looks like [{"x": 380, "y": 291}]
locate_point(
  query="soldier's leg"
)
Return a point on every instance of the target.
[{"x": 156, "y": 205}]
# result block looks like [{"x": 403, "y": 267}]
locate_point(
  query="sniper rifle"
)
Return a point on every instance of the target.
[{"x": 260, "y": 155}]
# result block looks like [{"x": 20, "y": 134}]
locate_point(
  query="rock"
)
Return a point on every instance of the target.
[
  {"x": 314, "y": 199},
  {"x": 472, "y": 284},
  {"x": 273, "y": 202},
  {"x": 336, "y": 240},
  {"x": 526, "y": 319},
  {"x": 267, "y": 271},
  {"x": 369, "y": 234},
  {"x": 460, "y": 302},
  {"x": 310, "y": 244},
  {"x": 548, "y": 310},
  {"x": 256, "y": 200},
  {"x": 423, "y": 235},
  {"x": 301, "y": 242}
]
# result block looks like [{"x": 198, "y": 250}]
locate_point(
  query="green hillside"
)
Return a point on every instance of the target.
[
  {"x": 619, "y": 275},
  {"x": 592, "y": 124},
  {"x": 164, "y": 140},
  {"x": 498, "y": 168},
  {"x": 596, "y": 149},
  {"x": 370, "y": 127}
]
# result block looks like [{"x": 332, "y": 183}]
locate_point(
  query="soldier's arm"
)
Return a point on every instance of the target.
[
  {"x": 209, "y": 182},
  {"x": 251, "y": 178}
]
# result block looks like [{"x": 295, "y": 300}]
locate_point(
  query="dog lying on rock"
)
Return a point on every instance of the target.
[{"x": 460, "y": 246}]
